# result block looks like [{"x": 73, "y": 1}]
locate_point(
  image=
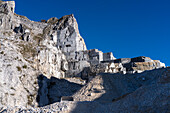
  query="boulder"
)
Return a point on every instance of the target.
[{"x": 67, "y": 98}]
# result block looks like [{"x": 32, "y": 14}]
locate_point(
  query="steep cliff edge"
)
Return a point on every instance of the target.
[{"x": 40, "y": 60}]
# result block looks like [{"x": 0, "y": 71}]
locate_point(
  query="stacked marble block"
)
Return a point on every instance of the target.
[
  {"x": 132, "y": 65},
  {"x": 81, "y": 61}
]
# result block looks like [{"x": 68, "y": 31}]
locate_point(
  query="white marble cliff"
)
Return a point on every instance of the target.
[{"x": 54, "y": 49}]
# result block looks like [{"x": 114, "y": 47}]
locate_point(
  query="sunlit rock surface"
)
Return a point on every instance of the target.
[{"x": 43, "y": 62}]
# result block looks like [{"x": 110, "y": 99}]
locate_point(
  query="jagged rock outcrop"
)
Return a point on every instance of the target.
[
  {"x": 37, "y": 57},
  {"x": 36, "y": 47},
  {"x": 132, "y": 65}
]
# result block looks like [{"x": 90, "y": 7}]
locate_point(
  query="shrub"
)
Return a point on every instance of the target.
[
  {"x": 28, "y": 50},
  {"x": 24, "y": 66},
  {"x": 20, "y": 38},
  {"x": 12, "y": 94},
  {"x": 18, "y": 68},
  {"x": 2, "y": 52},
  {"x": 16, "y": 58},
  {"x": 43, "y": 21},
  {"x": 8, "y": 65},
  {"x": 30, "y": 99},
  {"x": 35, "y": 82},
  {"x": 12, "y": 88},
  {"x": 38, "y": 38}
]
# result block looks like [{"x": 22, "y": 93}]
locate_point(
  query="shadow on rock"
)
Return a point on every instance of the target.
[
  {"x": 51, "y": 90},
  {"x": 118, "y": 86},
  {"x": 125, "y": 91}
]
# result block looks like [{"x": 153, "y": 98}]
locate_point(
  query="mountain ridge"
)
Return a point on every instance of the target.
[{"x": 43, "y": 61}]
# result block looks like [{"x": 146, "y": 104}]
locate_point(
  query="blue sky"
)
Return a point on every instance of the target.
[{"x": 128, "y": 28}]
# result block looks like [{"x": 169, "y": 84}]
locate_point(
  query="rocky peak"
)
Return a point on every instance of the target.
[{"x": 7, "y": 7}]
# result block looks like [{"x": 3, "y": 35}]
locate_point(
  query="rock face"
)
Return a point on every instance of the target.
[
  {"x": 18, "y": 79},
  {"x": 42, "y": 62},
  {"x": 106, "y": 87},
  {"x": 140, "y": 95},
  {"x": 57, "y": 44}
]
